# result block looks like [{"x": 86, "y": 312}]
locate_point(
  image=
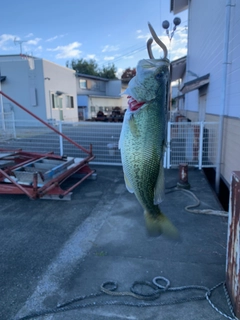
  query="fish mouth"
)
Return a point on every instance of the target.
[{"x": 134, "y": 104}]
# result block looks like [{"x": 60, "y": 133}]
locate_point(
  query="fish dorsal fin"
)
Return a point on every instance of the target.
[
  {"x": 159, "y": 190},
  {"x": 128, "y": 184}
]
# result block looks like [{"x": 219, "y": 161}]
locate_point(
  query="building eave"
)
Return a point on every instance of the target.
[
  {"x": 178, "y": 68},
  {"x": 177, "y": 6},
  {"x": 195, "y": 84},
  {"x": 88, "y": 76},
  {"x": 2, "y": 78}
]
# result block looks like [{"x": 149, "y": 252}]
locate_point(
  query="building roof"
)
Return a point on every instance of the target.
[
  {"x": 195, "y": 84},
  {"x": 178, "y": 68},
  {"x": 88, "y": 76},
  {"x": 177, "y": 6}
]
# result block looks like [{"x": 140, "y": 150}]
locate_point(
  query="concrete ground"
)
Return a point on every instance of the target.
[{"x": 55, "y": 251}]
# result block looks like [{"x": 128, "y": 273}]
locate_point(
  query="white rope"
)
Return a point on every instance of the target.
[{"x": 198, "y": 202}]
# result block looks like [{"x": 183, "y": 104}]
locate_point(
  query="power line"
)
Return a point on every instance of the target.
[
  {"x": 130, "y": 53},
  {"x": 120, "y": 57}
]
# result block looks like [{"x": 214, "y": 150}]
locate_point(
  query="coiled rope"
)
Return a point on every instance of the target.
[
  {"x": 189, "y": 208},
  {"x": 109, "y": 289}
]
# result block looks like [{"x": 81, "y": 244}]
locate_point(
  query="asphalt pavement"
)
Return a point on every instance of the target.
[{"x": 56, "y": 255}]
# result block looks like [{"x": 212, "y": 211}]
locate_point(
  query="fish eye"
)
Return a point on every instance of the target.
[{"x": 159, "y": 75}]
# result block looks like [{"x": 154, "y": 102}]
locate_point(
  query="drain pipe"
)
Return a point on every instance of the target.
[{"x": 223, "y": 96}]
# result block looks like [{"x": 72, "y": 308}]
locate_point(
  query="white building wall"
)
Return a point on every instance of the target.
[
  {"x": 58, "y": 78},
  {"x": 22, "y": 85},
  {"x": 205, "y": 54},
  {"x": 207, "y": 23}
]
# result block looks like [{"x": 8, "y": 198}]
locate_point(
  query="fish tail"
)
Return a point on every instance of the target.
[{"x": 159, "y": 224}]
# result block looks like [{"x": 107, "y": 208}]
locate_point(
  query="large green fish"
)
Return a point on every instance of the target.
[{"x": 143, "y": 138}]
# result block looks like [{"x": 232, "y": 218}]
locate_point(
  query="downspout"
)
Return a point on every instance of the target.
[
  {"x": 1, "y": 105},
  {"x": 223, "y": 96}
]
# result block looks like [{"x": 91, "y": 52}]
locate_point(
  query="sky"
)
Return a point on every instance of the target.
[{"x": 108, "y": 31}]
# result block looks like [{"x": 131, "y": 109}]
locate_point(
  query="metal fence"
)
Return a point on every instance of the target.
[
  {"x": 7, "y": 126},
  {"x": 194, "y": 143},
  {"x": 33, "y": 136}
]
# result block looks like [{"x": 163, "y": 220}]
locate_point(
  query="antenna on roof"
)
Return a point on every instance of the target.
[{"x": 16, "y": 42}]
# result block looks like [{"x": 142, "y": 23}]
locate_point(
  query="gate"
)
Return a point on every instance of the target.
[{"x": 194, "y": 143}]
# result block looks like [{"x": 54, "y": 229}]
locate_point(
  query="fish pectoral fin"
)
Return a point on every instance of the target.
[
  {"x": 128, "y": 184},
  {"x": 157, "y": 225},
  {"x": 133, "y": 126},
  {"x": 159, "y": 190}
]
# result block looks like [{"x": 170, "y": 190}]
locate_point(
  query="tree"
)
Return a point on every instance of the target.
[
  {"x": 91, "y": 68},
  {"x": 83, "y": 66},
  {"x": 128, "y": 74},
  {"x": 108, "y": 72}
]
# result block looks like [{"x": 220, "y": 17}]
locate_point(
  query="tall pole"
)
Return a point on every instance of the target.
[{"x": 223, "y": 96}]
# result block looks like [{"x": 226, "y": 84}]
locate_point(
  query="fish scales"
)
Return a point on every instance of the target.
[
  {"x": 142, "y": 141},
  {"x": 144, "y": 151}
]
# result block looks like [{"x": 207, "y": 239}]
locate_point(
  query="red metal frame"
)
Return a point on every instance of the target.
[
  {"x": 48, "y": 125},
  {"x": 52, "y": 186}
]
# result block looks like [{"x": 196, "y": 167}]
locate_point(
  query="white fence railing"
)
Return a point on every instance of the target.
[
  {"x": 33, "y": 136},
  {"x": 194, "y": 143},
  {"x": 7, "y": 126}
]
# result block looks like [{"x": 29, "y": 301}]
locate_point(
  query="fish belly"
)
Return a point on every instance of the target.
[{"x": 141, "y": 154}]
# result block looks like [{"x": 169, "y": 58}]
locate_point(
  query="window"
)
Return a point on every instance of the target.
[
  {"x": 70, "y": 102},
  {"x": 56, "y": 101},
  {"x": 53, "y": 101},
  {"x": 33, "y": 96},
  {"x": 83, "y": 83},
  {"x": 95, "y": 85}
]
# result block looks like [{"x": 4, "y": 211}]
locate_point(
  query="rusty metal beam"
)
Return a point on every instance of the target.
[
  {"x": 233, "y": 247},
  {"x": 48, "y": 125}
]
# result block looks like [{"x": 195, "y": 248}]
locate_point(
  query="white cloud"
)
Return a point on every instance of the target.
[
  {"x": 177, "y": 47},
  {"x": 109, "y": 58},
  {"x": 39, "y": 49},
  {"x": 178, "y": 53},
  {"x": 29, "y": 35},
  {"x": 69, "y": 51},
  {"x": 34, "y": 41},
  {"x": 119, "y": 72},
  {"x": 52, "y": 39},
  {"x": 109, "y": 48},
  {"x": 55, "y": 37},
  {"x": 91, "y": 56},
  {"x": 142, "y": 36},
  {"x": 5, "y": 40},
  {"x": 139, "y": 31}
]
